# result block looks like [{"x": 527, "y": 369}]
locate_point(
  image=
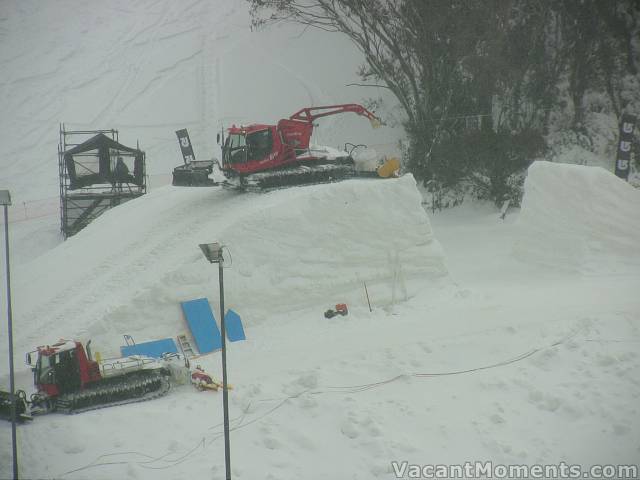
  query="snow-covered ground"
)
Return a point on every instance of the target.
[
  {"x": 481, "y": 354},
  {"x": 513, "y": 341}
]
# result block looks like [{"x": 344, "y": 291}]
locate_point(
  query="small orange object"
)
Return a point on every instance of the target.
[
  {"x": 389, "y": 168},
  {"x": 341, "y": 309}
]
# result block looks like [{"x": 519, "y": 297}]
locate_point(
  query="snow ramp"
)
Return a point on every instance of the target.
[
  {"x": 318, "y": 245},
  {"x": 287, "y": 250},
  {"x": 578, "y": 218}
]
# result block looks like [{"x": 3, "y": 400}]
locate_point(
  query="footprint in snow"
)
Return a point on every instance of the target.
[
  {"x": 496, "y": 419},
  {"x": 349, "y": 429},
  {"x": 271, "y": 443},
  {"x": 72, "y": 449},
  {"x": 353, "y": 427},
  {"x": 425, "y": 348},
  {"x": 303, "y": 441},
  {"x": 306, "y": 381},
  {"x": 619, "y": 429},
  {"x": 606, "y": 360},
  {"x": 131, "y": 471},
  {"x": 306, "y": 402},
  {"x": 545, "y": 402}
]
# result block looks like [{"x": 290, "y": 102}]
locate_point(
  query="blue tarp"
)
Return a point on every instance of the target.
[
  {"x": 153, "y": 349},
  {"x": 233, "y": 326},
  {"x": 202, "y": 324}
]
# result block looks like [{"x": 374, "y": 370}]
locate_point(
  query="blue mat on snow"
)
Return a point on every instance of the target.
[
  {"x": 202, "y": 324},
  {"x": 153, "y": 349},
  {"x": 233, "y": 326}
]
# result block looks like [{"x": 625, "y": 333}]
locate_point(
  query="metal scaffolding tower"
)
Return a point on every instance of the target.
[{"x": 80, "y": 205}]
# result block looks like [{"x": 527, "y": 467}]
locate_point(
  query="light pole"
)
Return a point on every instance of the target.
[
  {"x": 213, "y": 253},
  {"x": 5, "y": 201}
]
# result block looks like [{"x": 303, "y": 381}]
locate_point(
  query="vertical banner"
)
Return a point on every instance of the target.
[
  {"x": 185, "y": 146},
  {"x": 623, "y": 157}
]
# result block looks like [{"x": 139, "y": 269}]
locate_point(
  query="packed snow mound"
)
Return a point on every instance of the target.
[
  {"x": 578, "y": 218},
  {"x": 285, "y": 250},
  {"x": 318, "y": 244}
]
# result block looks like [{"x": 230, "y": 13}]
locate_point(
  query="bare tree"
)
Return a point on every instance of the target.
[{"x": 403, "y": 46}]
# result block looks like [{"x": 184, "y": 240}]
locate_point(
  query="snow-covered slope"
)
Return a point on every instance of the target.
[
  {"x": 580, "y": 218},
  {"x": 151, "y": 67}
]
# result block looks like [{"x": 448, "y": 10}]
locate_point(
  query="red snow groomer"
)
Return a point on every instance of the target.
[
  {"x": 270, "y": 156},
  {"x": 69, "y": 380}
]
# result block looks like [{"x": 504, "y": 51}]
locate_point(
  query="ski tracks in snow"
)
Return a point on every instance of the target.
[{"x": 135, "y": 255}]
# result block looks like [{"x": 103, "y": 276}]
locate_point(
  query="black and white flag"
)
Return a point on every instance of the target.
[
  {"x": 623, "y": 157},
  {"x": 185, "y": 146}
]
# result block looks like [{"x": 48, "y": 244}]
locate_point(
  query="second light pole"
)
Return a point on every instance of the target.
[
  {"x": 213, "y": 253},
  {"x": 5, "y": 201}
]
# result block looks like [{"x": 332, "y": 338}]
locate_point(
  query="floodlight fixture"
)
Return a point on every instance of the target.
[
  {"x": 5, "y": 197},
  {"x": 212, "y": 252}
]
